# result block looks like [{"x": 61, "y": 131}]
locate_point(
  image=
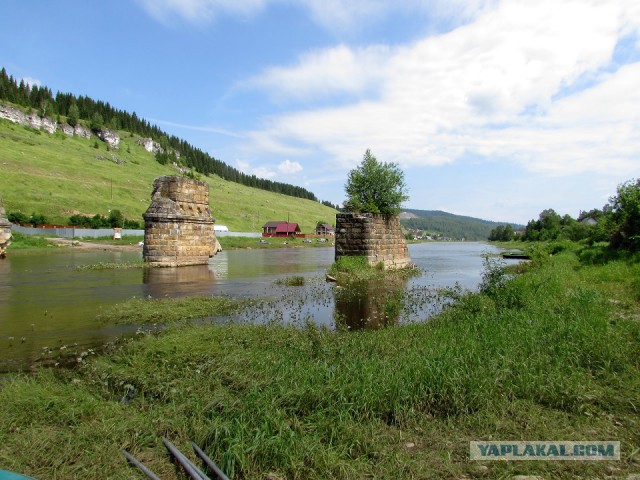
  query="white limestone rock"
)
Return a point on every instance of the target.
[{"x": 110, "y": 138}]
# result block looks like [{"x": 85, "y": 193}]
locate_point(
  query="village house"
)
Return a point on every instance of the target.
[
  {"x": 325, "y": 230},
  {"x": 280, "y": 229}
]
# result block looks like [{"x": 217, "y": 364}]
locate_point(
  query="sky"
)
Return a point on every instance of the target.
[{"x": 496, "y": 109}]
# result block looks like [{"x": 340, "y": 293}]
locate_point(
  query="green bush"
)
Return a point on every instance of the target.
[
  {"x": 38, "y": 219},
  {"x": 17, "y": 217},
  {"x": 349, "y": 265}
]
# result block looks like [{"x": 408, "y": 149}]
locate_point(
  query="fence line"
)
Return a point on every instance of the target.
[{"x": 72, "y": 232}]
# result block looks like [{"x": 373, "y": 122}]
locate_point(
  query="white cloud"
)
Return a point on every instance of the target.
[
  {"x": 197, "y": 128},
  {"x": 199, "y": 11},
  {"x": 345, "y": 15},
  {"x": 333, "y": 15},
  {"x": 529, "y": 81},
  {"x": 289, "y": 168},
  {"x": 260, "y": 172},
  {"x": 31, "y": 81},
  {"x": 594, "y": 130},
  {"x": 323, "y": 73},
  {"x": 263, "y": 172}
]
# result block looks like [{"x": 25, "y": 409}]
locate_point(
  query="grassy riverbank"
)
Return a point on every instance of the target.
[
  {"x": 28, "y": 242},
  {"x": 552, "y": 355},
  {"x": 35, "y": 242},
  {"x": 235, "y": 243}
]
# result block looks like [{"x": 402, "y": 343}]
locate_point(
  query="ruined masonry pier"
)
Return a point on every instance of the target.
[
  {"x": 374, "y": 236},
  {"x": 178, "y": 223}
]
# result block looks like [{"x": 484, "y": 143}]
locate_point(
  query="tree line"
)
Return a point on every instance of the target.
[
  {"x": 618, "y": 223},
  {"x": 98, "y": 114},
  {"x": 115, "y": 219}
]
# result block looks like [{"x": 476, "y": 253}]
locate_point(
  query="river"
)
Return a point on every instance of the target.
[{"x": 49, "y": 302}]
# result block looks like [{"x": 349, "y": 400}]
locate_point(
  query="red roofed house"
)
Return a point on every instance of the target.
[{"x": 280, "y": 229}]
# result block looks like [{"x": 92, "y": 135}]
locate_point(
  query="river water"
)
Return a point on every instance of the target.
[{"x": 48, "y": 302}]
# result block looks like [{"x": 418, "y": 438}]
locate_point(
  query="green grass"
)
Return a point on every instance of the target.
[
  {"x": 126, "y": 240},
  {"x": 139, "y": 311},
  {"x": 350, "y": 270},
  {"x": 234, "y": 243},
  {"x": 28, "y": 242},
  {"x": 59, "y": 176},
  {"x": 552, "y": 355}
]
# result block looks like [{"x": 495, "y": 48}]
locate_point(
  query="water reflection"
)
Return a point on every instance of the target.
[
  {"x": 49, "y": 303},
  {"x": 369, "y": 304},
  {"x": 162, "y": 282}
]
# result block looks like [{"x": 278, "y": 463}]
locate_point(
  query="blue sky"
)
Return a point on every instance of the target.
[{"x": 493, "y": 109}]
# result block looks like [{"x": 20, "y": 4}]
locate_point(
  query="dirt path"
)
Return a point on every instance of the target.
[{"x": 95, "y": 246}]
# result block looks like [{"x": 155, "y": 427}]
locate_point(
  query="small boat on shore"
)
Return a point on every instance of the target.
[{"x": 515, "y": 256}]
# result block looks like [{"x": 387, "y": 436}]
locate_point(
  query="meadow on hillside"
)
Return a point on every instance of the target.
[{"x": 59, "y": 176}]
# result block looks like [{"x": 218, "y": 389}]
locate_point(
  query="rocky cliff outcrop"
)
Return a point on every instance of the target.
[
  {"x": 81, "y": 131},
  {"x": 33, "y": 120},
  {"x": 149, "y": 145},
  {"x": 66, "y": 129},
  {"x": 109, "y": 137},
  {"x": 28, "y": 119}
]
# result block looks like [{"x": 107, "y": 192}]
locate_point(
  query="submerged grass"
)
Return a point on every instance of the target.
[
  {"x": 552, "y": 354},
  {"x": 115, "y": 266},
  {"x": 349, "y": 270},
  {"x": 294, "y": 281},
  {"x": 139, "y": 311}
]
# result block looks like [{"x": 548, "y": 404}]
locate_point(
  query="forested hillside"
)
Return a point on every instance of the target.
[
  {"x": 53, "y": 177},
  {"x": 97, "y": 114},
  {"x": 450, "y": 225}
]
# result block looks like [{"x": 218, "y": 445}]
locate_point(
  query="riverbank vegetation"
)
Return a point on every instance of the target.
[
  {"x": 618, "y": 223},
  {"x": 20, "y": 241},
  {"x": 551, "y": 354},
  {"x": 235, "y": 243}
]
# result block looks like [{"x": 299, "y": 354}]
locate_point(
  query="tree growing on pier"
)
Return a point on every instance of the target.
[{"x": 375, "y": 187}]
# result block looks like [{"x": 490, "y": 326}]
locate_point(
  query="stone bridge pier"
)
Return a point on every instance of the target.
[
  {"x": 178, "y": 223},
  {"x": 375, "y": 236}
]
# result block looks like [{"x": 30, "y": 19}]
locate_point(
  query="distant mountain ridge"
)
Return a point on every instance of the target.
[{"x": 449, "y": 225}]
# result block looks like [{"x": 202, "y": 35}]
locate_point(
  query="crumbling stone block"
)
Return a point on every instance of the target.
[
  {"x": 178, "y": 223},
  {"x": 377, "y": 237}
]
